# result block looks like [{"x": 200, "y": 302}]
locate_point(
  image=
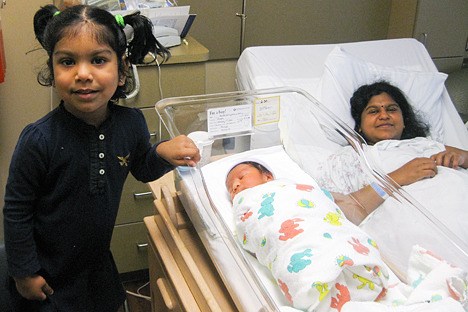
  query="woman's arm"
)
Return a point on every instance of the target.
[
  {"x": 358, "y": 205},
  {"x": 452, "y": 157},
  {"x": 414, "y": 170}
]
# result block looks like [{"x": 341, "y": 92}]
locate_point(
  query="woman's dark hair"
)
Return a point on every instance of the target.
[
  {"x": 414, "y": 127},
  {"x": 51, "y": 25}
]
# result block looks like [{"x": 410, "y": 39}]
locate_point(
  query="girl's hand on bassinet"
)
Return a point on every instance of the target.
[{"x": 180, "y": 151}]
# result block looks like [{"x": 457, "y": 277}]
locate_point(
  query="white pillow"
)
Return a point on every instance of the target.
[{"x": 344, "y": 73}]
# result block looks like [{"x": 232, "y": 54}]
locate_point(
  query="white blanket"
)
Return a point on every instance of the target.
[
  {"x": 319, "y": 259},
  {"x": 445, "y": 196},
  {"x": 323, "y": 262}
]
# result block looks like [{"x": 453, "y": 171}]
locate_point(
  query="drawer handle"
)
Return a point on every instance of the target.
[
  {"x": 161, "y": 282},
  {"x": 142, "y": 246},
  {"x": 142, "y": 195}
]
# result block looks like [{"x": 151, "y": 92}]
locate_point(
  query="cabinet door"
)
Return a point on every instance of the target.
[
  {"x": 279, "y": 22},
  {"x": 217, "y": 26},
  {"x": 445, "y": 24}
]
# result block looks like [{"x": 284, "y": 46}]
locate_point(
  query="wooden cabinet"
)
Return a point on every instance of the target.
[
  {"x": 182, "y": 275},
  {"x": 216, "y": 26},
  {"x": 282, "y": 22},
  {"x": 183, "y": 74},
  {"x": 277, "y": 22},
  {"x": 442, "y": 26}
]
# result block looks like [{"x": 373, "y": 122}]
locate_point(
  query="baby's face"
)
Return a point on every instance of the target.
[{"x": 244, "y": 176}]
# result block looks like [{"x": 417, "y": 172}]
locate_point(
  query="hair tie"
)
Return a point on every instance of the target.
[
  {"x": 56, "y": 13},
  {"x": 120, "y": 20}
]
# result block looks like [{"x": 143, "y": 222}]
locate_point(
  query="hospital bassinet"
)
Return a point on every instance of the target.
[{"x": 254, "y": 122}]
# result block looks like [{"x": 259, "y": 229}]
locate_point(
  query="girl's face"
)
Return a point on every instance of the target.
[
  {"x": 382, "y": 119},
  {"x": 85, "y": 76},
  {"x": 245, "y": 176}
]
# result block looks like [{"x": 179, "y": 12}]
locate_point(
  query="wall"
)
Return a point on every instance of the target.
[
  {"x": 221, "y": 76},
  {"x": 22, "y": 99}
]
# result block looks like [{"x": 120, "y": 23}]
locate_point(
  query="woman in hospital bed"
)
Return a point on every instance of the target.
[
  {"x": 432, "y": 173},
  {"x": 320, "y": 260}
]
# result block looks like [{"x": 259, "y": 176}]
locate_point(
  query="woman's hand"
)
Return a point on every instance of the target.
[
  {"x": 180, "y": 151},
  {"x": 414, "y": 170},
  {"x": 452, "y": 157},
  {"x": 33, "y": 287}
]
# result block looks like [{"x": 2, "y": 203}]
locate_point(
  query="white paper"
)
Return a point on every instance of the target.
[
  {"x": 229, "y": 119},
  {"x": 173, "y": 17}
]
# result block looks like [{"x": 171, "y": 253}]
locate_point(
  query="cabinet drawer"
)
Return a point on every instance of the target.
[
  {"x": 169, "y": 290},
  {"x": 188, "y": 252},
  {"x": 163, "y": 296},
  {"x": 129, "y": 246},
  {"x": 136, "y": 202}
]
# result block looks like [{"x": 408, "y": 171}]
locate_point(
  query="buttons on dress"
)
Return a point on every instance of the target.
[
  {"x": 102, "y": 171},
  {"x": 102, "y": 137},
  {"x": 101, "y": 155}
]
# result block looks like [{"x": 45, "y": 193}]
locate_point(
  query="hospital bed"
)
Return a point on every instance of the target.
[
  {"x": 262, "y": 123},
  {"x": 331, "y": 72}
]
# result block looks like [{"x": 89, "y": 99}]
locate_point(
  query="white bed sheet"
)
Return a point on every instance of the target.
[{"x": 302, "y": 66}]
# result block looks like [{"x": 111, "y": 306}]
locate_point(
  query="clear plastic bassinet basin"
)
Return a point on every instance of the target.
[{"x": 238, "y": 122}]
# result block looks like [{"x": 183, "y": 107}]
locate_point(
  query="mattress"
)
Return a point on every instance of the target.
[{"x": 258, "y": 123}]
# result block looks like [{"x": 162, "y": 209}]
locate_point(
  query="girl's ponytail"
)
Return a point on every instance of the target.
[
  {"x": 143, "y": 40},
  {"x": 42, "y": 17}
]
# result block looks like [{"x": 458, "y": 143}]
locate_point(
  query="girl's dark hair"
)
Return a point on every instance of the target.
[
  {"x": 51, "y": 25},
  {"x": 414, "y": 127}
]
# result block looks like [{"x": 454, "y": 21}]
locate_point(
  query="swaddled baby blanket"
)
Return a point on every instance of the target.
[{"x": 319, "y": 259}]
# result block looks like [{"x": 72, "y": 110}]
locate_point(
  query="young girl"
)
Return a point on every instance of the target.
[{"x": 69, "y": 167}]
